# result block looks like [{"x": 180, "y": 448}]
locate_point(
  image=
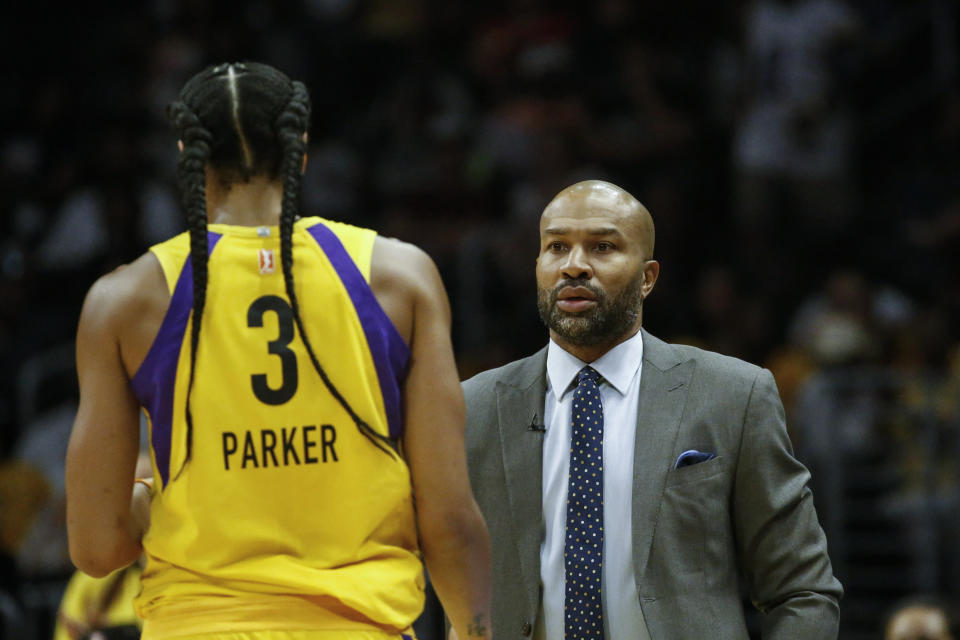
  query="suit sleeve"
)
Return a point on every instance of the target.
[{"x": 781, "y": 546}]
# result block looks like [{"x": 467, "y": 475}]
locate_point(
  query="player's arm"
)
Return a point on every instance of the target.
[
  {"x": 453, "y": 534},
  {"x": 106, "y": 516}
]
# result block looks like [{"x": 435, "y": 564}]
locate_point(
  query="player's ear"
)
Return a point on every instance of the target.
[
  {"x": 303, "y": 167},
  {"x": 180, "y": 145}
]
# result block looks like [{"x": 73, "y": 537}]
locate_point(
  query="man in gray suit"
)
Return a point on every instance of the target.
[{"x": 663, "y": 469}]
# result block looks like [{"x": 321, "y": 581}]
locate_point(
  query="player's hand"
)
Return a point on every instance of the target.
[{"x": 140, "y": 508}]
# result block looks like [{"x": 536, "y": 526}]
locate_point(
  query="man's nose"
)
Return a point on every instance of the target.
[{"x": 577, "y": 265}]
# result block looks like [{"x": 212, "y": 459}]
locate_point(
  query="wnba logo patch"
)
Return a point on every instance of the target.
[{"x": 266, "y": 261}]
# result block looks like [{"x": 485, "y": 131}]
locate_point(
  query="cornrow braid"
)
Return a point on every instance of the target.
[
  {"x": 290, "y": 127},
  {"x": 191, "y": 176}
]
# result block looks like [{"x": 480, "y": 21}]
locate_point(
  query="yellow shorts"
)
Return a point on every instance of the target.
[
  {"x": 291, "y": 635},
  {"x": 261, "y": 619}
]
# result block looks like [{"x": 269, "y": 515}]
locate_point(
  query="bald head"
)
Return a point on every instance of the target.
[
  {"x": 600, "y": 199},
  {"x": 919, "y": 622},
  {"x": 595, "y": 267}
]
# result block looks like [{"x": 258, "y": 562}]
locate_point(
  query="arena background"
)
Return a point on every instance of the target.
[{"x": 800, "y": 158}]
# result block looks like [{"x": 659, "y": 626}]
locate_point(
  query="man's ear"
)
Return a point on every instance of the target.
[
  {"x": 180, "y": 145},
  {"x": 651, "y": 271}
]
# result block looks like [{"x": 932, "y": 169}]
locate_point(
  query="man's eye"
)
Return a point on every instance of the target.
[
  {"x": 604, "y": 246},
  {"x": 556, "y": 246}
]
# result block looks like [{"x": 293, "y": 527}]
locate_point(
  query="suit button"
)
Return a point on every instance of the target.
[{"x": 527, "y": 628}]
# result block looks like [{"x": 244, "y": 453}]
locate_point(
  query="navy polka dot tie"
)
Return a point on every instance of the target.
[{"x": 583, "y": 547}]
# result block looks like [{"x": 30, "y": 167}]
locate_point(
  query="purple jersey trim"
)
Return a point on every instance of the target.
[
  {"x": 390, "y": 353},
  {"x": 156, "y": 378}
]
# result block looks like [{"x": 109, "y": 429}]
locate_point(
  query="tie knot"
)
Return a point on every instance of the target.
[{"x": 588, "y": 375}]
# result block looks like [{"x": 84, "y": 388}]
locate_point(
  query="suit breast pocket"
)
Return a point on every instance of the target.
[
  {"x": 694, "y": 530},
  {"x": 699, "y": 471}
]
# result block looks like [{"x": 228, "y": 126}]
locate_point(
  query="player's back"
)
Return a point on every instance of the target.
[{"x": 283, "y": 506}]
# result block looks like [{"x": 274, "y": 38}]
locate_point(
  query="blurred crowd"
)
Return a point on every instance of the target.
[{"x": 800, "y": 159}]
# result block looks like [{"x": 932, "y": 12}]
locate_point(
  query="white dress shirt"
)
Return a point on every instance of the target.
[{"x": 620, "y": 368}]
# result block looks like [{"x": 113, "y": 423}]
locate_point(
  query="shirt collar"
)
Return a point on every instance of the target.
[{"x": 617, "y": 366}]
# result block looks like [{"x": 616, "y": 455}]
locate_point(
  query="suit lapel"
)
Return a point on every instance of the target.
[
  {"x": 520, "y": 405},
  {"x": 662, "y": 395}
]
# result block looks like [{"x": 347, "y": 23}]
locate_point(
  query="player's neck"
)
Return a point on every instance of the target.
[{"x": 250, "y": 204}]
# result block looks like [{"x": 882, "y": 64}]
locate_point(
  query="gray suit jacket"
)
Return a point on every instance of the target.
[{"x": 698, "y": 531}]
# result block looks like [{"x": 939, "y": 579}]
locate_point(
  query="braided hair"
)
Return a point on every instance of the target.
[{"x": 245, "y": 120}]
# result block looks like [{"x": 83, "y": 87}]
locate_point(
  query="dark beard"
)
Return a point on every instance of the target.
[{"x": 608, "y": 321}]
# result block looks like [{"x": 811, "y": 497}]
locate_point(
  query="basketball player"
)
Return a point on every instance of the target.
[{"x": 301, "y": 391}]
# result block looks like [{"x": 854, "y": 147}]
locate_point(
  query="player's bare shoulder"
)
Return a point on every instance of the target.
[
  {"x": 126, "y": 306},
  {"x": 404, "y": 278},
  {"x": 127, "y": 288}
]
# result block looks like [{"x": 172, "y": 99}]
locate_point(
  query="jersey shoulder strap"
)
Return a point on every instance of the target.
[
  {"x": 357, "y": 241},
  {"x": 172, "y": 254}
]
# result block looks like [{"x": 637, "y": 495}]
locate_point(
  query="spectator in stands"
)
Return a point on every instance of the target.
[{"x": 919, "y": 620}]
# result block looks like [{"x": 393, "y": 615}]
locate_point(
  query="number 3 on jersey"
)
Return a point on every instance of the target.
[{"x": 279, "y": 347}]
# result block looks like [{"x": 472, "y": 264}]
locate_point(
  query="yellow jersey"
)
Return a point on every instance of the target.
[{"x": 285, "y": 515}]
